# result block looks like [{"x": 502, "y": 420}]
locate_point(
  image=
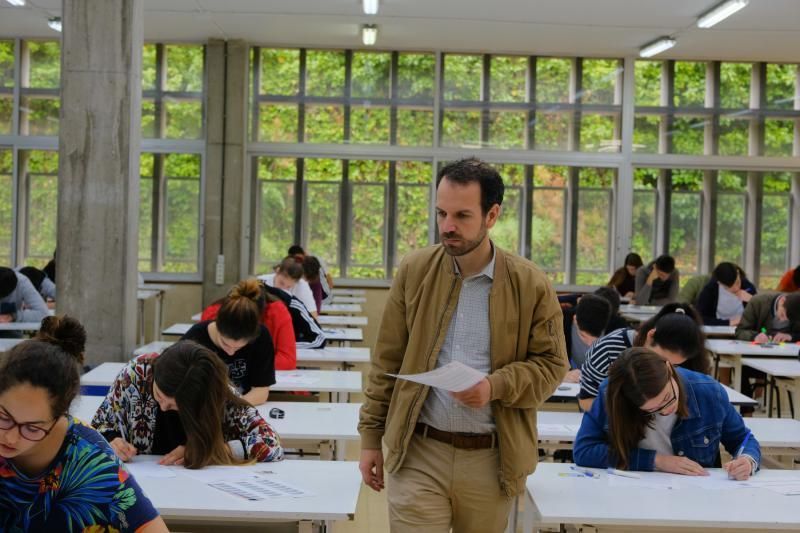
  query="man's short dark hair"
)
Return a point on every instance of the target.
[
  {"x": 792, "y": 306},
  {"x": 471, "y": 169},
  {"x": 8, "y": 281},
  {"x": 35, "y": 275},
  {"x": 610, "y": 295},
  {"x": 592, "y": 314},
  {"x": 296, "y": 249},
  {"x": 726, "y": 273},
  {"x": 796, "y": 277},
  {"x": 665, "y": 263}
]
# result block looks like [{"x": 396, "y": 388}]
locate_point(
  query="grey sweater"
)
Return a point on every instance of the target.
[
  {"x": 660, "y": 292},
  {"x": 29, "y": 303}
]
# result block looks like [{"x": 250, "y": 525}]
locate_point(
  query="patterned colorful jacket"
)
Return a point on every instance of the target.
[{"x": 129, "y": 411}]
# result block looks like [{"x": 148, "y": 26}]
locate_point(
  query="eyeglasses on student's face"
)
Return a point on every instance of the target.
[
  {"x": 27, "y": 431},
  {"x": 667, "y": 403}
]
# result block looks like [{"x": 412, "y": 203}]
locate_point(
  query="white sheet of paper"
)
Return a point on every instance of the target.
[
  {"x": 646, "y": 480},
  {"x": 260, "y": 488},
  {"x": 715, "y": 480},
  {"x": 453, "y": 377},
  {"x": 152, "y": 470}
]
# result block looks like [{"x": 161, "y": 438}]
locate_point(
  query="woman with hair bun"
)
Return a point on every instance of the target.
[
  {"x": 180, "y": 404},
  {"x": 237, "y": 336},
  {"x": 57, "y": 474}
]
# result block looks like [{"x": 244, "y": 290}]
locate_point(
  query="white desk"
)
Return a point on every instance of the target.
[
  {"x": 97, "y": 381},
  {"x": 196, "y": 317},
  {"x": 342, "y": 320},
  {"x": 182, "y": 500},
  {"x": 141, "y": 296},
  {"x": 343, "y": 336},
  {"x": 336, "y": 299},
  {"x": 343, "y": 357},
  {"x": 638, "y": 313},
  {"x": 322, "y": 423},
  {"x": 788, "y": 368},
  {"x": 341, "y": 309},
  {"x": 349, "y": 292},
  {"x": 555, "y": 500},
  {"x": 152, "y": 347},
  {"x": 569, "y": 392},
  {"x": 7, "y": 344},
  {"x": 733, "y": 350},
  {"x": 719, "y": 331},
  {"x": 177, "y": 330},
  {"x": 20, "y": 326}
]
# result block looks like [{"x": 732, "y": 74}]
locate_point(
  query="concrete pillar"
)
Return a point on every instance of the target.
[
  {"x": 226, "y": 224},
  {"x": 98, "y": 186}
]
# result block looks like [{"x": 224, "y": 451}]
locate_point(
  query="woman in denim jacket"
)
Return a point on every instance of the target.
[{"x": 650, "y": 415}]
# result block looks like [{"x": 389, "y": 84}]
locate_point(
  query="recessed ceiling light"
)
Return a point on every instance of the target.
[
  {"x": 369, "y": 34},
  {"x": 657, "y": 46},
  {"x": 370, "y": 7},
  {"x": 18, "y": 3},
  {"x": 721, "y": 12}
]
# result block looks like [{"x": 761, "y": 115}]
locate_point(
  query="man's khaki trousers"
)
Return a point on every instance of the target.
[{"x": 439, "y": 487}]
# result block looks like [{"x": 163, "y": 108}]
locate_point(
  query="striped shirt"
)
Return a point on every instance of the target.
[{"x": 599, "y": 358}]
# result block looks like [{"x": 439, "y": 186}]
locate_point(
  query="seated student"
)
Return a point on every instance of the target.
[
  {"x": 674, "y": 333},
  {"x": 624, "y": 279},
  {"x": 325, "y": 277},
  {"x": 237, "y": 336},
  {"x": 42, "y": 284},
  {"x": 181, "y": 404},
  {"x": 650, "y": 416},
  {"x": 56, "y": 473},
  {"x": 307, "y": 331},
  {"x": 790, "y": 281},
  {"x": 312, "y": 274},
  {"x": 278, "y": 321},
  {"x": 50, "y": 268},
  {"x": 657, "y": 283},
  {"x": 288, "y": 276},
  {"x": 582, "y": 326},
  {"x": 691, "y": 289},
  {"x": 19, "y": 300},
  {"x": 723, "y": 299},
  {"x": 768, "y": 317},
  {"x": 612, "y": 297}
]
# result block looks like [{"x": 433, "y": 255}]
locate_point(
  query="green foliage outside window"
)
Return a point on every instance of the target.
[{"x": 6, "y": 210}]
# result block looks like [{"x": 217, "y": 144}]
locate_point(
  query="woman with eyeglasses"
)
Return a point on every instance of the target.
[
  {"x": 57, "y": 474},
  {"x": 651, "y": 415}
]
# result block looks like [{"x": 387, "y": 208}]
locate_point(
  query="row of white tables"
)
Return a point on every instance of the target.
[
  {"x": 569, "y": 392},
  {"x": 341, "y": 335},
  {"x": 325, "y": 320},
  {"x": 733, "y": 350}
]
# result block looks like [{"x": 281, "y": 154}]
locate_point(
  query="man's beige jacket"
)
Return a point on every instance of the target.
[{"x": 527, "y": 349}]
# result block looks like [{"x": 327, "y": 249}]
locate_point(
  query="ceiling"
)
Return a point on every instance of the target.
[{"x": 766, "y": 30}]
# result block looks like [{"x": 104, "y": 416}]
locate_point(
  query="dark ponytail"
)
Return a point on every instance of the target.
[{"x": 678, "y": 328}]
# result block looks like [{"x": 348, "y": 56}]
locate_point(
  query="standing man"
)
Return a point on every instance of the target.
[{"x": 458, "y": 459}]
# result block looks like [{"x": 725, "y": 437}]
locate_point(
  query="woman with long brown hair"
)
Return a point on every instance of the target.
[
  {"x": 181, "y": 404},
  {"x": 651, "y": 415},
  {"x": 241, "y": 341},
  {"x": 624, "y": 278}
]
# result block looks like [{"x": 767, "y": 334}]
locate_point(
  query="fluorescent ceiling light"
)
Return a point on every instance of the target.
[
  {"x": 369, "y": 34},
  {"x": 656, "y": 47},
  {"x": 54, "y": 23},
  {"x": 371, "y": 7},
  {"x": 18, "y": 3},
  {"x": 720, "y": 13}
]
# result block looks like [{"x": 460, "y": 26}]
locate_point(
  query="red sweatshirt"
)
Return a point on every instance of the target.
[{"x": 278, "y": 321}]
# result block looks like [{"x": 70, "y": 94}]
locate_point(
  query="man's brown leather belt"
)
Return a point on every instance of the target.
[{"x": 464, "y": 441}]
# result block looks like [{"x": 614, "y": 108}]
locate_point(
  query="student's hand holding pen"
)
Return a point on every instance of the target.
[{"x": 124, "y": 450}]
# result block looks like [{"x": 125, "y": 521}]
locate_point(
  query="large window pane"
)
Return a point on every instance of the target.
[
  {"x": 733, "y": 136},
  {"x": 775, "y": 220},
  {"x": 461, "y": 128},
  {"x": 7, "y": 64},
  {"x": 552, "y": 80},
  {"x": 734, "y": 86},
  {"x": 184, "y": 119},
  {"x": 6, "y": 113},
  {"x": 182, "y": 214},
  {"x": 6, "y": 205},
  {"x": 280, "y": 72},
  {"x": 781, "y": 80},
  {"x": 598, "y": 133},
  {"x": 413, "y": 206},
  {"x": 415, "y": 75},
  {"x": 277, "y": 123},
  {"x": 324, "y": 73},
  {"x": 690, "y": 84},
  {"x": 646, "y": 133},
  {"x": 39, "y": 115},
  {"x": 40, "y": 170},
  {"x": 45, "y": 65},
  {"x": 149, "y": 63},
  {"x": 778, "y": 137},
  {"x": 600, "y": 78},
  {"x": 184, "y": 68},
  {"x": 146, "y": 173},
  {"x": 648, "y": 83},
  {"x": 368, "y": 199},
  {"x": 549, "y": 207},
  {"x": 324, "y": 124},
  {"x": 275, "y": 210},
  {"x": 686, "y": 205},
  {"x": 731, "y": 216},
  {"x": 322, "y": 217},
  {"x": 414, "y": 127},
  {"x": 509, "y": 79},
  {"x": 369, "y": 125},
  {"x": 371, "y": 75},
  {"x": 506, "y": 232},
  {"x": 594, "y": 223},
  {"x": 645, "y": 201},
  {"x": 687, "y": 135},
  {"x": 507, "y": 129},
  {"x": 462, "y": 77},
  {"x": 552, "y": 131}
]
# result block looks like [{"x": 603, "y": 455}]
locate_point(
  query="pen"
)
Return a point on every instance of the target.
[
  {"x": 741, "y": 448},
  {"x": 622, "y": 473},
  {"x": 764, "y": 331},
  {"x": 586, "y": 473}
]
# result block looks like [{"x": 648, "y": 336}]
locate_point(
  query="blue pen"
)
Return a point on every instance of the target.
[
  {"x": 741, "y": 448},
  {"x": 586, "y": 473}
]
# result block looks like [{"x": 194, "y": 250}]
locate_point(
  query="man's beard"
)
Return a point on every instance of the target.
[{"x": 464, "y": 247}]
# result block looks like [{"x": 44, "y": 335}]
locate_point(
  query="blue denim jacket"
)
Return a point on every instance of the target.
[{"x": 712, "y": 420}]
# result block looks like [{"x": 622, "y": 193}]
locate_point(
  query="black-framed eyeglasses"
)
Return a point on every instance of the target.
[
  {"x": 668, "y": 402},
  {"x": 27, "y": 431}
]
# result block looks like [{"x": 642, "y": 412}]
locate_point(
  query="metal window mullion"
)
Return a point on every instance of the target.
[
  {"x": 664, "y": 209},
  {"x": 24, "y": 79},
  {"x": 394, "y": 96},
  {"x": 486, "y": 73},
  {"x": 530, "y": 128},
  {"x": 348, "y": 90},
  {"x": 438, "y": 85},
  {"x": 301, "y": 93},
  {"x": 526, "y": 239},
  {"x": 160, "y": 121},
  {"x": 754, "y": 208},
  {"x": 299, "y": 203},
  {"x": 345, "y": 218},
  {"x": 623, "y": 218},
  {"x": 708, "y": 223},
  {"x": 255, "y": 214},
  {"x": 15, "y": 105},
  {"x": 576, "y": 72},
  {"x": 571, "y": 233},
  {"x": 758, "y": 100},
  {"x": 794, "y": 220},
  {"x": 391, "y": 217},
  {"x": 24, "y": 207},
  {"x": 668, "y": 101},
  {"x": 712, "y": 127}
]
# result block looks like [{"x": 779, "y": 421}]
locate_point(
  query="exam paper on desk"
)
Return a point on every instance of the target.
[{"x": 453, "y": 377}]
